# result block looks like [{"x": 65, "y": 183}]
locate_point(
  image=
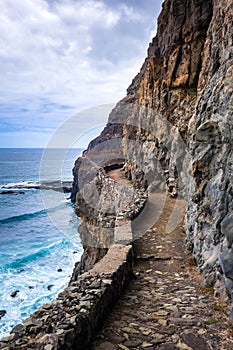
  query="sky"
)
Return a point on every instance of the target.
[{"x": 61, "y": 57}]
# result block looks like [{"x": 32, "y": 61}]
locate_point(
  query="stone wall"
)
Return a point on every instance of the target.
[
  {"x": 106, "y": 208},
  {"x": 72, "y": 320}
]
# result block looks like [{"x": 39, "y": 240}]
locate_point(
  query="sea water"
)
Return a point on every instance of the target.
[{"x": 39, "y": 243}]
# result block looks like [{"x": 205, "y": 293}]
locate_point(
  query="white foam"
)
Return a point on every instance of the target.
[{"x": 19, "y": 185}]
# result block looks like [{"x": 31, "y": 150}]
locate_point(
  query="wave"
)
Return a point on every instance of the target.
[
  {"x": 26, "y": 216},
  {"x": 19, "y": 263},
  {"x": 20, "y": 185},
  {"x": 63, "y": 204},
  {"x": 55, "y": 185}
]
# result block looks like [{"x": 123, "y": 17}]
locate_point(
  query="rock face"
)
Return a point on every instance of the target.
[
  {"x": 173, "y": 130},
  {"x": 210, "y": 211}
]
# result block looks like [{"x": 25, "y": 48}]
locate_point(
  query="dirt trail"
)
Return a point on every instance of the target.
[
  {"x": 164, "y": 306},
  {"x": 117, "y": 175}
]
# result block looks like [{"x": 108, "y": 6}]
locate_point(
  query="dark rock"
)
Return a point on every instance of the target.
[
  {"x": 18, "y": 329},
  {"x": 183, "y": 322},
  {"x": 106, "y": 346},
  {"x": 133, "y": 343},
  {"x": 12, "y": 192},
  {"x": 13, "y": 294},
  {"x": 194, "y": 341},
  {"x": 2, "y": 313},
  {"x": 114, "y": 338},
  {"x": 167, "y": 346},
  {"x": 59, "y": 270},
  {"x": 50, "y": 286},
  {"x": 227, "y": 228}
]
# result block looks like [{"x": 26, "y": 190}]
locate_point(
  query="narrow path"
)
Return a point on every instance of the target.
[
  {"x": 117, "y": 175},
  {"x": 164, "y": 306}
]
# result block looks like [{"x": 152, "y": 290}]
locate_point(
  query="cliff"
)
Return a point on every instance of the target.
[
  {"x": 171, "y": 135},
  {"x": 173, "y": 132}
]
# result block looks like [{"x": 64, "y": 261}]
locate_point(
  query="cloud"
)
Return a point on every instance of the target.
[{"x": 58, "y": 57}]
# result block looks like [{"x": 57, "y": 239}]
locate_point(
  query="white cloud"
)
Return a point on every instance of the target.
[{"x": 65, "y": 52}]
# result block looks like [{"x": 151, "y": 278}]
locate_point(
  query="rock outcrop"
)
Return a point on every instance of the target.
[{"x": 173, "y": 130}]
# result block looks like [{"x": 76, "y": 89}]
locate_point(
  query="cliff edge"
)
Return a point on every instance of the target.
[{"x": 173, "y": 133}]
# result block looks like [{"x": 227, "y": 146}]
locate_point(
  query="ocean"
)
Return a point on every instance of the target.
[{"x": 39, "y": 243}]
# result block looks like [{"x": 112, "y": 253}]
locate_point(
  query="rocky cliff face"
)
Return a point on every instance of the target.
[
  {"x": 210, "y": 210},
  {"x": 173, "y": 130}
]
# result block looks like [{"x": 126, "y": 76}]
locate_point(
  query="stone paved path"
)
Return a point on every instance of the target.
[{"x": 164, "y": 306}]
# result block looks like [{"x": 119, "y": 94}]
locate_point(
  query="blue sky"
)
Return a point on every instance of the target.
[{"x": 60, "y": 57}]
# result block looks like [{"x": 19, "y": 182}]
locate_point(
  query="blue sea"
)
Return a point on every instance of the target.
[{"x": 39, "y": 243}]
